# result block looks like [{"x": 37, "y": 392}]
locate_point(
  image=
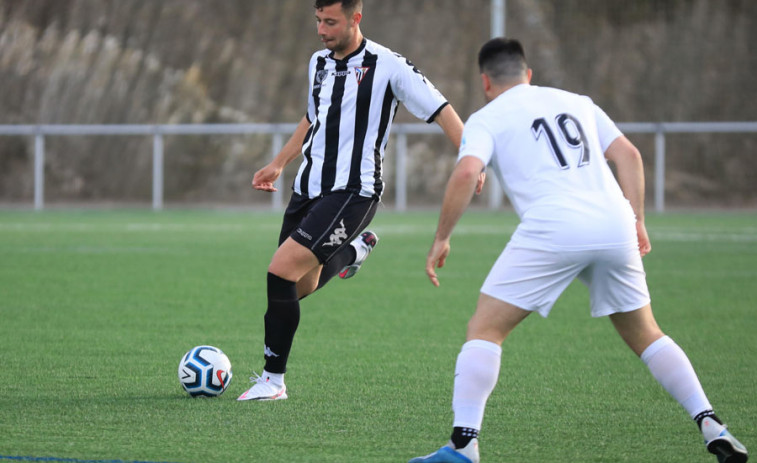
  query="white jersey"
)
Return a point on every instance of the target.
[
  {"x": 351, "y": 107},
  {"x": 547, "y": 147}
]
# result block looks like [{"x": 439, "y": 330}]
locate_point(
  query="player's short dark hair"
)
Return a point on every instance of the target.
[
  {"x": 348, "y": 6},
  {"x": 502, "y": 59}
]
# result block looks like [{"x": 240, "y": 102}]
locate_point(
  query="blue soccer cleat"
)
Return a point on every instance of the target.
[
  {"x": 721, "y": 443},
  {"x": 446, "y": 454}
]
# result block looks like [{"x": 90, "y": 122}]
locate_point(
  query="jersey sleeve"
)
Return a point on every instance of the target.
[
  {"x": 310, "y": 114},
  {"x": 606, "y": 128},
  {"x": 416, "y": 92},
  {"x": 477, "y": 141}
]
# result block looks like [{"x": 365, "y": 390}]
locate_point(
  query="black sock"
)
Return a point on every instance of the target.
[
  {"x": 281, "y": 320},
  {"x": 462, "y": 436},
  {"x": 340, "y": 260},
  {"x": 705, "y": 414}
]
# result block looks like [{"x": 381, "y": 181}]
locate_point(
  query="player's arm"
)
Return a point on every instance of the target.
[
  {"x": 452, "y": 126},
  {"x": 425, "y": 102},
  {"x": 460, "y": 188},
  {"x": 265, "y": 177},
  {"x": 630, "y": 170}
]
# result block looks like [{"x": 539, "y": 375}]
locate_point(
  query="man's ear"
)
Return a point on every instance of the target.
[
  {"x": 486, "y": 82},
  {"x": 357, "y": 17}
]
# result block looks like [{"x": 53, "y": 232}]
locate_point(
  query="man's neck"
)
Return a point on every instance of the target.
[
  {"x": 351, "y": 49},
  {"x": 498, "y": 90}
]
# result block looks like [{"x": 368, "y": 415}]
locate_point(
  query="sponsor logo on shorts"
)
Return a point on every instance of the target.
[
  {"x": 339, "y": 235},
  {"x": 304, "y": 234}
]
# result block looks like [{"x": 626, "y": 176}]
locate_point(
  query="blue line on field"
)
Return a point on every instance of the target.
[{"x": 69, "y": 460}]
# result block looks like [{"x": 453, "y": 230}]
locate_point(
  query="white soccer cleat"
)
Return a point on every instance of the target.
[
  {"x": 264, "y": 389},
  {"x": 363, "y": 245},
  {"x": 448, "y": 454},
  {"x": 721, "y": 443}
]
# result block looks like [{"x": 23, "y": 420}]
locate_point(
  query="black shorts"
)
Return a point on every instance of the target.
[{"x": 326, "y": 224}]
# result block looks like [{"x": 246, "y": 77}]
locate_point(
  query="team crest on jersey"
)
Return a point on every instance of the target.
[
  {"x": 320, "y": 76},
  {"x": 360, "y": 73}
]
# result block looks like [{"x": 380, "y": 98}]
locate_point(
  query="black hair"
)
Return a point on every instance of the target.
[
  {"x": 348, "y": 6},
  {"x": 502, "y": 59}
]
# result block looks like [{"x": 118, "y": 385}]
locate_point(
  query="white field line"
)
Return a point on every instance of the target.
[
  {"x": 742, "y": 235},
  {"x": 128, "y": 227},
  {"x": 684, "y": 236}
]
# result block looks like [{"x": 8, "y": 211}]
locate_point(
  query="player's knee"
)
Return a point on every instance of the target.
[{"x": 478, "y": 329}]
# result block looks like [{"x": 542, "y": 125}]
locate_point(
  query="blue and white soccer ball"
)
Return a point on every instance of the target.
[{"x": 205, "y": 371}]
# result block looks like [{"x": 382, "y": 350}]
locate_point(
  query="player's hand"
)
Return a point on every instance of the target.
[
  {"x": 481, "y": 181},
  {"x": 437, "y": 256},
  {"x": 265, "y": 178},
  {"x": 644, "y": 245}
]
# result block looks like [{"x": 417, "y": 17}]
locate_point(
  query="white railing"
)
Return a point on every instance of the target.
[{"x": 279, "y": 131}]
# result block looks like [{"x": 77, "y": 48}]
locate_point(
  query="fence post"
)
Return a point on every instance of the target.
[
  {"x": 157, "y": 171},
  {"x": 39, "y": 171},
  {"x": 400, "y": 201},
  {"x": 659, "y": 169},
  {"x": 277, "y": 199},
  {"x": 495, "y": 191},
  {"x": 498, "y": 26}
]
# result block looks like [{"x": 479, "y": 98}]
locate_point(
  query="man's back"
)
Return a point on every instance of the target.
[{"x": 547, "y": 149}]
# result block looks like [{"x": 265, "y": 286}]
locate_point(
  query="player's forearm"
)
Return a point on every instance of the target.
[
  {"x": 457, "y": 196},
  {"x": 632, "y": 183},
  {"x": 630, "y": 170},
  {"x": 293, "y": 147},
  {"x": 451, "y": 124}
]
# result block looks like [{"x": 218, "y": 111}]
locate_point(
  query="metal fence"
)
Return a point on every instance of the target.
[{"x": 279, "y": 131}]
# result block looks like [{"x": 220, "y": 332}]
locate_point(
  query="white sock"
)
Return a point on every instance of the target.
[
  {"x": 274, "y": 378},
  {"x": 476, "y": 375},
  {"x": 361, "y": 250},
  {"x": 671, "y": 368}
]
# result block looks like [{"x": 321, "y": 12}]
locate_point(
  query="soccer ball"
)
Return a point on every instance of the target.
[{"x": 205, "y": 371}]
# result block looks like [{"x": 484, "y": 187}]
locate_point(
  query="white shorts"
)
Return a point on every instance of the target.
[{"x": 533, "y": 279}]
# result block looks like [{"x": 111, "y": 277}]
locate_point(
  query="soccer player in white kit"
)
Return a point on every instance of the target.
[{"x": 549, "y": 149}]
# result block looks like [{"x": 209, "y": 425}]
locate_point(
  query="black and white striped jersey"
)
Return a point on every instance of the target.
[{"x": 351, "y": 106}]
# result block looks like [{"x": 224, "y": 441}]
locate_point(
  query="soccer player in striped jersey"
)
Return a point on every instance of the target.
[
  {"x": 549, "y": 149},
  {"x": 355, "y": 86}
]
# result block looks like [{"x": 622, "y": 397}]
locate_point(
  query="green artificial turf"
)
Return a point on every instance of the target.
[{"x": 97, "y": 308}]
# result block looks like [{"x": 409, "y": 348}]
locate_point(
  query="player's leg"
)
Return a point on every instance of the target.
[
  {"x": 637, "y": 328},
  {"x": 477, "y": 366},
  {"x": 345, "y": 263},
  {"x": 310, "y": 221},
  {"x": 476, "y": 373},
  {"x": 671, "y": 367},
  {"x": 494, "y": 319},
  {"x": 359, "y": 249},
  {"x": 520, "y": 278},
  {"x": 345, "y": 257},
  {"x": 309, "y": 283},
  {"x": 313, "y": 232},
  {"x": 290, "y": 263},
  {"x": 666, "y": 361},
  {"x": 617, "y": 284}
]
